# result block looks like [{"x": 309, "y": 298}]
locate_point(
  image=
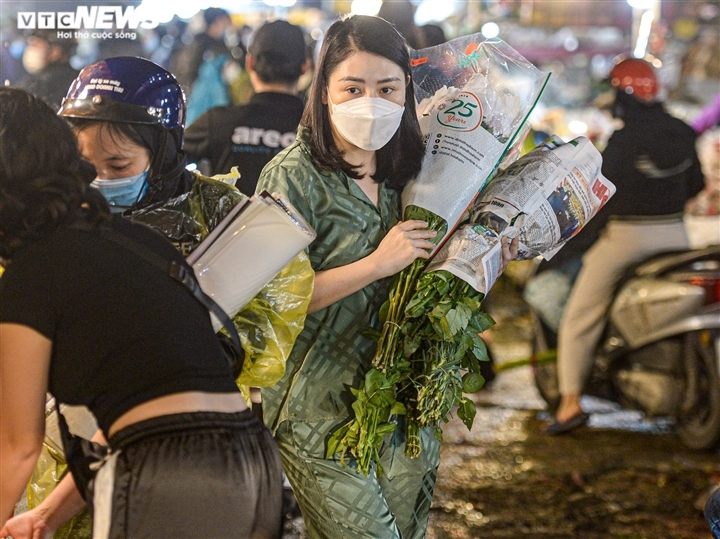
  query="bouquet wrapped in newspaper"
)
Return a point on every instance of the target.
[
  {"x": 544, "y": 199},
  {"x": 474, "y": 99}
]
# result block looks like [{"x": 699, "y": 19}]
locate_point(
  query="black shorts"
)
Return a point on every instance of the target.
[{"x": 198, "y": 475}]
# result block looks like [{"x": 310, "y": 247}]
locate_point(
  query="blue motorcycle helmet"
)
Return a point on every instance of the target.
[
  {"x": 132, "y": 94},
  {"x": 126, "y": 89}
]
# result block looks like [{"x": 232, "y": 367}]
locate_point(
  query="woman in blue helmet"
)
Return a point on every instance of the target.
[
  {"x": 140, "y": 109},
  {"x": 129, "y": 116},
  {"x": 136, "y": 110}
]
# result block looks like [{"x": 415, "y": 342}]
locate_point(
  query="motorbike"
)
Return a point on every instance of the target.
[{"x": 660, "y": 349}]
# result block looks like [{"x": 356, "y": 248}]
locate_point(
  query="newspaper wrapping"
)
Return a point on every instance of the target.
[{"x": 544, "y": 199}]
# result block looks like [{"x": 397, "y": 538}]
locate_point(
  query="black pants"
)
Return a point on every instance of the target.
[{"x": 200, "y": 475}]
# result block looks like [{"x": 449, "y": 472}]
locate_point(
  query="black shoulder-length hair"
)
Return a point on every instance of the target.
[
  {"x": 400, "y": 159},
  {"x": 44, "y": 182}
]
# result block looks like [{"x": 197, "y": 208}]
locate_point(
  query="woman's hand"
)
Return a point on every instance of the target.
[
  {"x": 63, "y": 502},
  {"x": 29, "y": 525},
  {"x": 405, "y": 242},
  {"x": 509, "y": 251}
]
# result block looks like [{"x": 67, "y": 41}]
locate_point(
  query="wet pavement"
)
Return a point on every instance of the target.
[{"x": 621, "y": 476}]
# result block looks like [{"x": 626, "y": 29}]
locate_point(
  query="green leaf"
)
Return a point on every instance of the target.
[
  {"x": 419, "y": 307},
  {"x": 442, "y": 329},
  {"x": 468, "y": 340},
  {"x": 472, "y": 382},
  {"x": 383, "y": 312},
  {"x": 398, "y": 409},
  {"x": 483, "y": 320},
  {"x": 480, "y": 349},
  {"x": 462, "y": 348},
  {"x": 472, "y": 304},
  {"x": 458, "y": 318},
  {"x": 457, "y": 393},
  {"x": 466, "y": 412},
  {"x": 336, "y": 444},
  {"x": 352, "y": 439},
  {"x": 410, "y": 345},
  {"x": 469, "y": 361},
  {"x": 382, "y": 399},
  {"x": 443, "y": 286},
  {"x": 409, "y": 328},
  {"x": 440, "y": 311},
  {"x": 373, "y": 380},
  {"x": 371, "y": 333},
  {"x": 359, "y": 409},
  {"x": 385, "y": 428}
]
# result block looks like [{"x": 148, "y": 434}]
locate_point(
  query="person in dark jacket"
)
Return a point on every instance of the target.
[
  {"x": 47, "y": 61},
  {"x": 249, "y": 136},
  {"x": 654, "y": 165}
]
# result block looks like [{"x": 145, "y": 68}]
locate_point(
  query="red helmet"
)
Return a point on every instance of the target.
[{"x": 637, "y": 78}]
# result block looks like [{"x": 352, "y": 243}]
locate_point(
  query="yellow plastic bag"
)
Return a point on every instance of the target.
[{"x": 270, "y": 323}]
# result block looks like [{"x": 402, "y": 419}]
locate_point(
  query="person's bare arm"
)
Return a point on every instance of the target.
[{"x": 24, "y": 367}]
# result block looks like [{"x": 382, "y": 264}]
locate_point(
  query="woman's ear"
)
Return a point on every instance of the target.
[{"x": 325, "y": 96}]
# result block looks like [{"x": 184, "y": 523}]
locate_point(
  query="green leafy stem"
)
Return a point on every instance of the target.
[{"x": 428, "y": 356}]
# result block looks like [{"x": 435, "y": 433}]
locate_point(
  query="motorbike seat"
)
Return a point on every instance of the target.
[{"x": 662, "y": 263}]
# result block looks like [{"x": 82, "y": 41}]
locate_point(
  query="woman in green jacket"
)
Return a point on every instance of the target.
[{"x": 359, "y": 144}]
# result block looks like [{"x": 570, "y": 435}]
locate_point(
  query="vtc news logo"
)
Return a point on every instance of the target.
[{"x": 87, "y": 18}]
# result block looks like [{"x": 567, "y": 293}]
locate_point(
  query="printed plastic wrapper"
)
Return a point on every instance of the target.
[
  {"x": 544, "y": 198},
  {"x": 474, "y": 98}
]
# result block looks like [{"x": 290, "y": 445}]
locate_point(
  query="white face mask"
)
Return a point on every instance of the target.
[{"x": 366, "y": 122}]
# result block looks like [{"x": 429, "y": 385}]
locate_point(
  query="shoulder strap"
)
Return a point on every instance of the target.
[{"x": 180, "y": 273}]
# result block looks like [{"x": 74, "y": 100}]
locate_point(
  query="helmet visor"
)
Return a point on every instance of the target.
[{"x": 102, "y": 108}]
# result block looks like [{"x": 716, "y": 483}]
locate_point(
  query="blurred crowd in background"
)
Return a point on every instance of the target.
[{"x": 577, "y": 41}]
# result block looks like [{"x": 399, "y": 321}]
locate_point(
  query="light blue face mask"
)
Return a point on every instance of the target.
[{"x": 122, "y": 193}]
